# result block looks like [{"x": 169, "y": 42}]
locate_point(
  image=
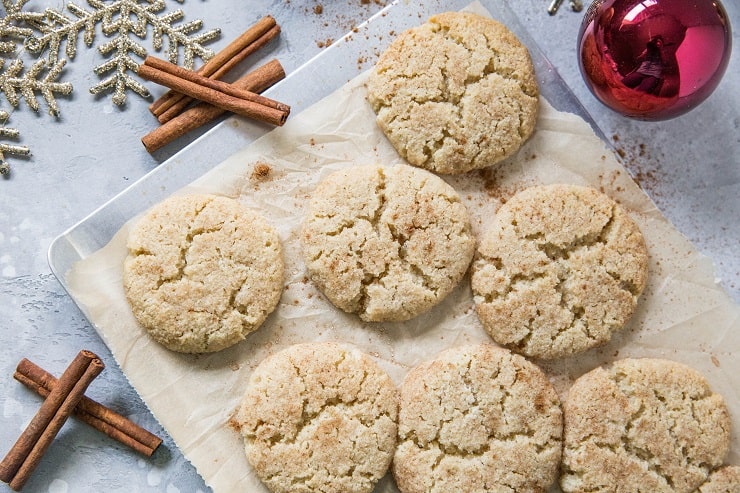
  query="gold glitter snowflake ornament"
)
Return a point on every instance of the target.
[
  {"x": 14, "y": 84},
  {"x": 125, "y": 20},
  {"x": 14, "y": 25},
  {"x": 9, "y": 133}
]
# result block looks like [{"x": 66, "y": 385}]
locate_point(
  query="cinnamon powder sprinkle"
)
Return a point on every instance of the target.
[{"x": 261, "y": 171}]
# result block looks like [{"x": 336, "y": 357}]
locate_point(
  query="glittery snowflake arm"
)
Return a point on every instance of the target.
[
  {"x": 56, "y": 29},
  {"x": 178, "y": 34},
  {"x": 121, "y": 63},
  {"x": 9, "y": 133},
  {"x": 14, "y": 26},
  {"x": 13, "y": 81}
]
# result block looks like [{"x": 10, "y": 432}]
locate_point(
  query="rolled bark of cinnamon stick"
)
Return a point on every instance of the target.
[
  {"x": 179, "y": 104},
  {"x": 240, "y": 102},
  {"x": 91, "y": 412},
  {"x": 25, "y": 455},
  {"x": 256, "y": 81},
  {"x": 216, "y": 85},
  {"x": 250, "y": 41}
]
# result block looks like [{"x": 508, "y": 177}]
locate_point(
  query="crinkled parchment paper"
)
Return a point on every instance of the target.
[{"x": 683, "y": 315}]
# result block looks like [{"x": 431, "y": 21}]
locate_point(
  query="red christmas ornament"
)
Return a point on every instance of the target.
[{"x": 654, "y": 59}]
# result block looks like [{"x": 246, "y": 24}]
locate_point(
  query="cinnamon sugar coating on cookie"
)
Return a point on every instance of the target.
[
  {"x": 456, "y": 93},
  {"x": 386, "y": 242},
  {"x": 319, "y": 417},
  {"x": 726, "y": 479},
  {"x": 202, "y": 272},
  {"x": 560, "y": 270},
  {"x": 477, "y": 418},
  {"x": 642, "y": 425}
]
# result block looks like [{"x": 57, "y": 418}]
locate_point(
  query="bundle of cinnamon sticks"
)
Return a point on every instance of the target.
[
  {"x": 215, "y": 97},
  {"x": 64, "y": 397}
]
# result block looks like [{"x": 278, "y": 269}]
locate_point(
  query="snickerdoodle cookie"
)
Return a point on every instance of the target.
[
  {"x": 202, "y": 272},
  {"x": 477, "y": 418},
  {"x": 386, "y": 242},
  {"x": 726, "y": 479},
  {"x": 642, "y": 425},
  {"x": 559, "y": 271},
  {"x": 456, "y": 93},
  {"x": 319, "y": 417}
]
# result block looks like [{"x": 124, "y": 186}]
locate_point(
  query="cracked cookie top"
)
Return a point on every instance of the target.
[
  {"x": 477, "y": 418},
  {"x": 386, "y": 242},
  {"x": 202, "y": 272},
  {"x": 726, "y": 479},
  {"x": 455, "y": 94},
  {"x": 319, "y": 417},
  {"x": 559, "y": 271},
  {"x": 642, "y": 425}
]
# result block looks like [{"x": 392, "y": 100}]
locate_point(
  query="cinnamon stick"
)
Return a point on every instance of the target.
[
  {"x": 252, "y": 39},
  {"x": 216, "y": 85},
  {"x": 256, "y": 81},
  {"x": 170, "y": 110},
  {"x": 26, "y": 454},
  {"x": 91, "y": 412},
  {"x": 217, "y": 93}
]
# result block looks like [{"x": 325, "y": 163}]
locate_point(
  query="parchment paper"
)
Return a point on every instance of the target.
[{"x": 683, "y": 315}]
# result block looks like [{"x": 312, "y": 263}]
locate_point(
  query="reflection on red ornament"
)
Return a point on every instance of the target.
[{"x": 654, "y": 59}]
